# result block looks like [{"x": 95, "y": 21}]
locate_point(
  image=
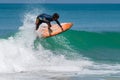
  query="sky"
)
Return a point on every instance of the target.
[{"x": 59, "y": 1}]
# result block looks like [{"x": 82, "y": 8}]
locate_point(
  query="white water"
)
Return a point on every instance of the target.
[{"x": 17, "y": 54}]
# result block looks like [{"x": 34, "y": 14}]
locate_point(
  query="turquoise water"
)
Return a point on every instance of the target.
[{"x": 91, "y": 46}]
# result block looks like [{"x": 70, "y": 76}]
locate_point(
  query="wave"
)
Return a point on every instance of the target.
[
  {"x": 88, "y": 40},
  {"x": 87, "y": 44},
  {"x": 93, "y": 39},
  {"x": 62, "y": 53}
]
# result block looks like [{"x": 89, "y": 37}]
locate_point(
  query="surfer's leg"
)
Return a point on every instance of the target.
[
  {"x": 49, "y": 25},
  {"x": 50, "y": 31},
  {"x": 37, "y": 25}
]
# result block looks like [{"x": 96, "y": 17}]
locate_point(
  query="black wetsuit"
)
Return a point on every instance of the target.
[{"x": 45, "y": 18}]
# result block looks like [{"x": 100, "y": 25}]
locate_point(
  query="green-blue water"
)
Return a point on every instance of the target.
[{"x": 104, "y": 46}]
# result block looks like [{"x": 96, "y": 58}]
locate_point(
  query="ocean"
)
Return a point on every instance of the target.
[{"x": 90, "y": 50}]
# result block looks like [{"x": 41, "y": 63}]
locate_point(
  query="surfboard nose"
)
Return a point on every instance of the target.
[{"x": 69, "y": 25}]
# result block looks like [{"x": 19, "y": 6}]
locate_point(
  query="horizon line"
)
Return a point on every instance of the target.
[{"x": 56, "y": 3}]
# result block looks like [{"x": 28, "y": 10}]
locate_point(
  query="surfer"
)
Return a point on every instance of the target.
[{"x": 45, "y": 18}]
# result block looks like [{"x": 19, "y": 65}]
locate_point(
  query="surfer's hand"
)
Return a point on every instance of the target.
[{"x": 61, "y": 27}]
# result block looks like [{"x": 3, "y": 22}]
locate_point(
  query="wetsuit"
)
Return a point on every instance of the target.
[{"x": 44, "y": 18}]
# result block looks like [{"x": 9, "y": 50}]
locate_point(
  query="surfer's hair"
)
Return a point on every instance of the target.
[{"x": 56, "y": 15}]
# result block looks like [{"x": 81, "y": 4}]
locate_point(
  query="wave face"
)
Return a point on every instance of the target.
[{"x": 103, "y": 46}]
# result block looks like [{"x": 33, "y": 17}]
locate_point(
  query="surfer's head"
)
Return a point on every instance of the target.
[{"x": 55, "y": 16}]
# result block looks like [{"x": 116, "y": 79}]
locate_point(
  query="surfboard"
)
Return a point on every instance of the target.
[{"x": 56, "y": 29}]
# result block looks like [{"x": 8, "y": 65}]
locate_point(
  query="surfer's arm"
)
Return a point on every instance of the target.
[{"x": 59, "y": 24}]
